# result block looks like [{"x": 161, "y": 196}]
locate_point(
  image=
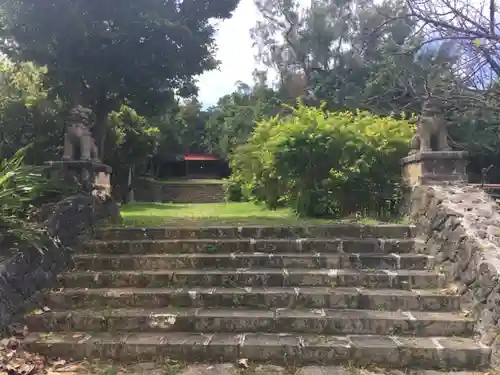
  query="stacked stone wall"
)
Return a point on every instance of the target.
[
  {"x": 460, "y": 226},
  {"x": 26, "y": 271},
  {"x": 199, "y": 192}
]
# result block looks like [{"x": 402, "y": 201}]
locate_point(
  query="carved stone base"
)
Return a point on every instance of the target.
[
  {"x": 435, "y": 167},
  {"x": 88, "y": 174}
]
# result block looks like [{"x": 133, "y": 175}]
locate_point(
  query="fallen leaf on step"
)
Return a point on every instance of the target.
[
  {"x": 211, "y": 249},
  {"x": 72, "y": 368},
  {"x": 10, "y": 354},
  {"x": 12, "y": 343},
  {"x": 59, "y": 364},
  {"x": 243, "y": 363},
  {"x": 27, "y": 369}
]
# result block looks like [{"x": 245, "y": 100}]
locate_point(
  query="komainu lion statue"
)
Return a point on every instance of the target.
[
  {"x": 78, "y": 141},
  {"x": 431, "y": 129}
]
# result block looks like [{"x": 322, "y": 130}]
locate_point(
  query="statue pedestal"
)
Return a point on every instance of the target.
[
  {"x": 435, "y": 167},
  {"x": 88, "y": 174}
]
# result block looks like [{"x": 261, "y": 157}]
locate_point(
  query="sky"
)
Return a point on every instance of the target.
[{"x": 235, "y": 53}]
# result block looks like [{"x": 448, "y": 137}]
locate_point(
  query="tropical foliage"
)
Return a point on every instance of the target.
[
  {"x": 21, "y": 186},
  {"x": 324, "y": 163}
]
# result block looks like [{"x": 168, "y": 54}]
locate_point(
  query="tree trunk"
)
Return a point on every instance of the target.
[
  {"x": 99, "y": 131},
  {"x": 130, "y": 189},
  {"x": 101, "y": 107}
]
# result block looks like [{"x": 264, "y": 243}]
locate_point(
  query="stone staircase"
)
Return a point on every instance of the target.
[{"x": 290, "y": 296}]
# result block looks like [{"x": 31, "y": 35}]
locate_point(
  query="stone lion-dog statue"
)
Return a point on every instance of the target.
[
  {"x": 431, "y": 129},
  {"x": 78, "y": 141}
]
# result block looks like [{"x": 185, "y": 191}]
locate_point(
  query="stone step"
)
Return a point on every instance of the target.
[
  {"x": 152, "y": 368},
  {"x": 271, "y": 277},
  {"x": 98, "y": 262},
  {"x": 301, "y": 245},
  {"x": 320, "y": 321},
  {"x": 280, "y": 297},
  {"x": 255, "y": 231},
  {"x": 290, "y": 349}
]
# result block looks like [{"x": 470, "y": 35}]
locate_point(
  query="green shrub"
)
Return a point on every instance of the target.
[
  {"x": 233, "y": 191},
  {"x": 21, "y": 186},
  {"x": 324, "y": 164}
]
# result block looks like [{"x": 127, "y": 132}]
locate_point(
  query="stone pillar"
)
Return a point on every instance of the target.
[
  {"x": 90, "y": 174},
  {"x": 434, "y": 168}
]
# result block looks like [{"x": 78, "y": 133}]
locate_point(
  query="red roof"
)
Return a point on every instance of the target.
[{"x": 194, "y": 156}]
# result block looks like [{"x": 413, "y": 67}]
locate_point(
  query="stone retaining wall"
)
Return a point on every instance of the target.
[
  {"x": 199, "y": 192},
  {"x": 24, "y": 273},
  {"x": 460, "y": 226}
]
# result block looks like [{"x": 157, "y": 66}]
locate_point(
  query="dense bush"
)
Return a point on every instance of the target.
[
  {"x": 233, "y": 191},
  {"x": 324, "y": 164},
  {"x": 21, "y": 187}
]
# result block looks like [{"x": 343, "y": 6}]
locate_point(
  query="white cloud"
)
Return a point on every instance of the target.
[{"x": 235, "y": 53}]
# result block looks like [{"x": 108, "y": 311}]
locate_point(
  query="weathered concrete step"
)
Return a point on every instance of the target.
[
  {"x": 98, "y": 262},
  {"x": 324, "y": 231},
  {"x": 335, "y": 370},
  {"x": 270, "y": 277},
  {"x": 389, "y": 351},
  {"x": 152, "y": 368},
  {"x": 311, "y": 245},
  {"x": 320, "y": 321},
  {"x": 280, "y": 297}
]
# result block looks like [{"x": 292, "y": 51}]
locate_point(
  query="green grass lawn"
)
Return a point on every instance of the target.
[{"x": 175, "y": 214}]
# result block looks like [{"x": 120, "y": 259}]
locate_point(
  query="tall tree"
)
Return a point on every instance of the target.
[
  {"x": 349, "y": 54},
  {"x": 474, "y": 29},
  {"x": 182, "y": 129},
  {"x": 26, "y": 114},
  {"x": 105, "y": 53},
  {"x": 232, "y": 120},
  {"x": 471, "y": 29},
  {"x": 133, "y": 142}
]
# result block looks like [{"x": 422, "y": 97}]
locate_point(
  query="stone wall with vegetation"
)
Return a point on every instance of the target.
[
  {"x": 209, "y": 191},
  {"x": 26, "y": 271},
  {"x": 460, "y": 226}
]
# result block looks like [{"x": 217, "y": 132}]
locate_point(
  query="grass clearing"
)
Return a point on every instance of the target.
[{"x": 204, "y": 214}]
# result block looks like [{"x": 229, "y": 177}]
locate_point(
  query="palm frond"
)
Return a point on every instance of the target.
[{"x": 20, "y": 186}]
